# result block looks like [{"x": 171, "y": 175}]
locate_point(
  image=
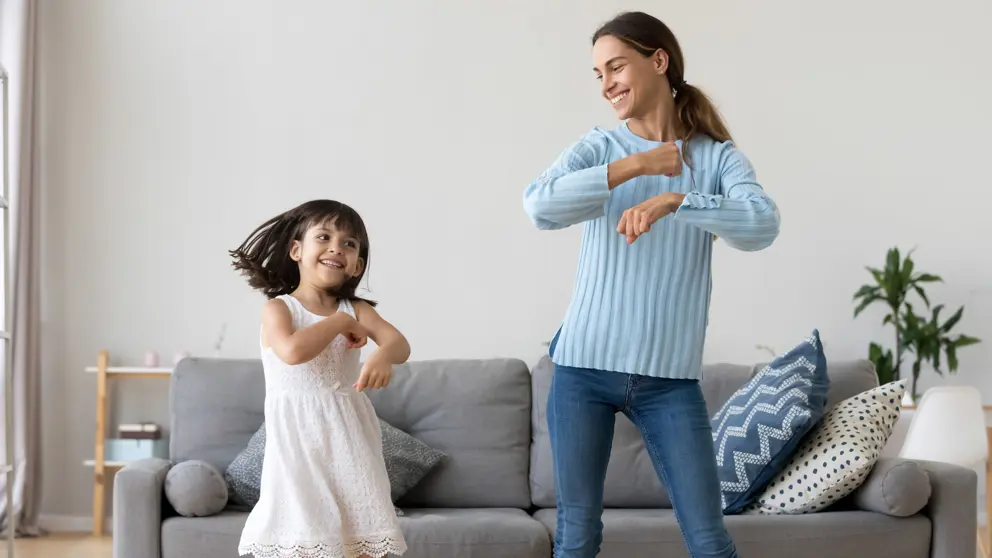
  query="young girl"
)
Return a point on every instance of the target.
[{"x": 324, "y": 489}]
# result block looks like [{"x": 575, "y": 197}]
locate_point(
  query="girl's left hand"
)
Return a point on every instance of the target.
[
  {"x": 638, "y": 219},
  {"x": 376, "y": 374}
]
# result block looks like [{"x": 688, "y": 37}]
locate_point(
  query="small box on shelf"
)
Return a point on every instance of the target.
[{"x": 124, "y": 450}]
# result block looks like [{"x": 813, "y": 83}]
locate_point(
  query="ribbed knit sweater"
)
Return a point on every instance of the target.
[{"x": 643, "y": 308}]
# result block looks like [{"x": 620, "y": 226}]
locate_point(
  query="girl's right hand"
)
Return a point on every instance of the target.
[
  {"x": 665, "y": 159},
  {"x": 356, "y": 334}
]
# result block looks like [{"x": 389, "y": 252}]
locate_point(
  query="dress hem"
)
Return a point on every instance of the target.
[{"x": 373, "y": 547}]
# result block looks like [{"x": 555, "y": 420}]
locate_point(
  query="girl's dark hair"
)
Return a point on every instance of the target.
[
  {"x": 647, "y": 34},
  {"x": 264, "y": 256}
]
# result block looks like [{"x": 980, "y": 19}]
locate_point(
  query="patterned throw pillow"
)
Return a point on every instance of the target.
[
  {"x": 760, "y": 426},
  {"x": 836, "y": 457},
  {"x": 244, "y": 474},
  {"x": 408, "y": 461}
]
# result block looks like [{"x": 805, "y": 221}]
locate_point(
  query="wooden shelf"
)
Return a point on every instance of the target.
[
  {"x": 132, "y": 371},
  {"x": 108, "y": 464},
  {"x": 104, "y": 374}
]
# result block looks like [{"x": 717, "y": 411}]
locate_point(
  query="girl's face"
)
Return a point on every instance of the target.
[
  {"x": 631, "y": 82},
  {"x": 328, "y": 256}
]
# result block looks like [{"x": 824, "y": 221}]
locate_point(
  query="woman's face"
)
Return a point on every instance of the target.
[{"x": 631, "y": 82}]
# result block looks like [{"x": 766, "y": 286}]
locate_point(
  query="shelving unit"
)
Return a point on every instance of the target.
[
  {"x": 104, "y": 372},
  {"x": 7, "y": 468}
]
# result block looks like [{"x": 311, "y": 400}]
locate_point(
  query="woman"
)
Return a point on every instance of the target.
[{"x": 652, "y": 194}]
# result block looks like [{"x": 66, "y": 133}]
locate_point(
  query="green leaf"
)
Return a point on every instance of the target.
[
  {"x": 952, "y": 357},
  {"x": 864, "y": 304},
  {"x": 964, "y": 341},
  {"x": 923, "y": 295},
  {"x": 892, "y": 262},
  {"x": 952, "y": 320},
  {"x": 907, "y": 270},
  {"x": 936, "y": 313},
  {"x": 867, "y": 290},
  {"x": 887, "y": 319},
  {"x": 878, "y": 275},
  {"x": 928, "y": 278}
]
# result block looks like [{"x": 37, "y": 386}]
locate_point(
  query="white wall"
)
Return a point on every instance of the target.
[{"x": 172, "y": 129}]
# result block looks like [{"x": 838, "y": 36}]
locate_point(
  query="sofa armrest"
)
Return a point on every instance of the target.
[
  {"x": 138, "y": 497},
  {"x": 896, "y": 487},
  {"x": 953, "y": 509}
]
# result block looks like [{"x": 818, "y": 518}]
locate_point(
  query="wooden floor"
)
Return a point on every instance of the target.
[{"x": 73, "y": 545}]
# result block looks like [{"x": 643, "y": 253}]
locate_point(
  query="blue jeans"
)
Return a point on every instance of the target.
[{"x": 672, "y": 417}]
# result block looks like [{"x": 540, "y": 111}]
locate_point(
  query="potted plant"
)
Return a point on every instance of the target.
[{"x": 926, "y": 338}]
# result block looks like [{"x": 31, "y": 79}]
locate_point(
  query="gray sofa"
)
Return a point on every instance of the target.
[{"x": 493, "y": 496}]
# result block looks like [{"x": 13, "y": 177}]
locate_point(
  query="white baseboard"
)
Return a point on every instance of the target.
[{"x": 70, "y": 523}]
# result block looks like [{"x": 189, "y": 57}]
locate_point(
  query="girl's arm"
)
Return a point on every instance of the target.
[
  {"x": 302, "y": 345},
  {"x": 393, "y": 346},
  {"x": 744, "y": 216},
  {"x": 576, "y": 187}
]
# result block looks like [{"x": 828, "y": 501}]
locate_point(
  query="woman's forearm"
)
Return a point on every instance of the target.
[{"x": 623, "y": 170}]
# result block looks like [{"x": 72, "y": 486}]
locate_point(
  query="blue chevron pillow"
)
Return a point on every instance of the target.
[{"x": 761, "y": 425}]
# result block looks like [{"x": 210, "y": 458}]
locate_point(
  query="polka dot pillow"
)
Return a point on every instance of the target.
[{"x": 836, "y": 456}]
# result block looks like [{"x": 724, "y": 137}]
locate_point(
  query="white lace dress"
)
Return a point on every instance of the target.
[{"x": 324, "y": 489}]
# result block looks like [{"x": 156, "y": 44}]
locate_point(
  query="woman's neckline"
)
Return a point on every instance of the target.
[
  {"x": 304, "y": 306},
  {"x": 641, "y": 141}
]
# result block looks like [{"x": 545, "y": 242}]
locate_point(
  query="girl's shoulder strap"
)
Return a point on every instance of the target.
[
  {"x": 347, "y": 307},
  {"x": 291, "y": 303}
]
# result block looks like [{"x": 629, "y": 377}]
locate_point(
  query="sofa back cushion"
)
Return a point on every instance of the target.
[
  {"x": 478, "y": 413},
  {"x": 216, "y": 407},
  {"x": 631, "y": 481},
  {"x": 475, "y": 411}
]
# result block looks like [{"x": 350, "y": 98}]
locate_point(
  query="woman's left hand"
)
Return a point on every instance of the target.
[
  {"x": 376, "y": 374},
  {"x": 638, "y": 219}
]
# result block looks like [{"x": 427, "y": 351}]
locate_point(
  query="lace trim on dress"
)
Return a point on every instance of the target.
[{"x": 373, "y": 548}]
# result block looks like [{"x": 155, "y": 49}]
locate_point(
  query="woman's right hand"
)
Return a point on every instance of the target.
[{"x": 665, "y": 159}]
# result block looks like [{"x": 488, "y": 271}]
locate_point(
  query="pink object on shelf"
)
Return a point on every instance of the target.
[{"x": 151, "y": 359}]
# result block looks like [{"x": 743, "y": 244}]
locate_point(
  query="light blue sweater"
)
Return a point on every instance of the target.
[{"x": 643, "y": 308}]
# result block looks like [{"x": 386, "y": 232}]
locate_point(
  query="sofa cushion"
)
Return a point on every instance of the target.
[
  {"x": 429, "y": 533},
  {"x": 896, "y": 487},
  {"x": 758, "y": 428},
  {"x": 407, "y": 459},
  {"x": 654, "y": 533},
  {"x": 631, "y": 480},
  {"x": 216, "y": 406},
  {"x": 195, "y": 488},
  {"x": 836, "y": 456},
  {"x": 483, "y": 533},
  {"x": 475, "y": 411}
]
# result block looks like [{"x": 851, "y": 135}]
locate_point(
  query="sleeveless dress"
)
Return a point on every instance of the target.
[{"x": 324, "y": 490}]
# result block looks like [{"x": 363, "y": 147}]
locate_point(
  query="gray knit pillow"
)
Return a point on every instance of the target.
[
  {"x": 408, "y": 460},
  {"x": 244, "y": 474}
]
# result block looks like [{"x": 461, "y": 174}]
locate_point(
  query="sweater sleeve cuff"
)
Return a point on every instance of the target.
[{"x": 695, "y": 200}]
